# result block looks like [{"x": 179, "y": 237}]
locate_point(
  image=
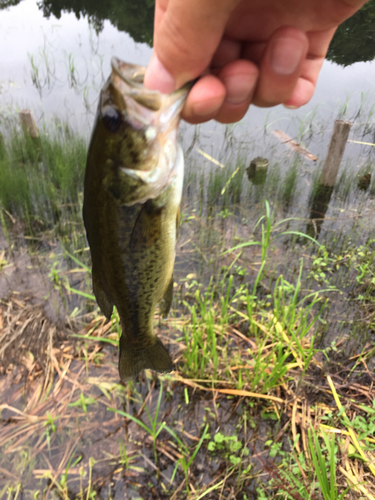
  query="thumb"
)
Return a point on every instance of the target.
[{"x": 186, "y": 36}]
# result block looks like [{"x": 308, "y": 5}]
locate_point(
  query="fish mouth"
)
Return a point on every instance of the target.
[{"x": 132, "y": 75}]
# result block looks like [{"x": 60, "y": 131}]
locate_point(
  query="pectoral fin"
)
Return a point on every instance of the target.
[
  {"x": 128, "y": 187},
  {"x": 166, "y": 301},
  {"x": 147, "y": 229},
  {"x": 122, "y": 187},
  {"x": 106, "y": 306}
]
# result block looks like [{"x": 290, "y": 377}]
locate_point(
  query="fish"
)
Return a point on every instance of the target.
[{"x": 132, "y": 194}]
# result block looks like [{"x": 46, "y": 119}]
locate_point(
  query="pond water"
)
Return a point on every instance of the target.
[{"x": 56, "y": 65}]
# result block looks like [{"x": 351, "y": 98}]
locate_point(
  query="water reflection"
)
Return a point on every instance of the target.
[
  {"x": 135, "y": 18},
  {"x": 5, "y": 4},
  {"x": 319, "y": 207},
  {"x": 352, "y": 42}
]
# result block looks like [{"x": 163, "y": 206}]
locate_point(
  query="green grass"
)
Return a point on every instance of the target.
[
  {"x": 325, "y": 470},
  {"x": 287, "y": 318},
  {"x": 41, "y": 182}
]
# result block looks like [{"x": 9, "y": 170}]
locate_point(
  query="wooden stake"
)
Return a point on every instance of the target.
[
  {"x": 335, "y": 152},
  {"x": 28, "y": 123}
]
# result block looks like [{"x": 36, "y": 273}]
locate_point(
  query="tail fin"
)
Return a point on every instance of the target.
[{"x": 133, "y": 361}]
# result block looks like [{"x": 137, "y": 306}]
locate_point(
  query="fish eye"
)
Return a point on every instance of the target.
[{"x": 111, "y": 118}]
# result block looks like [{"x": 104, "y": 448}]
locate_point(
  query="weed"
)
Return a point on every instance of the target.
[
  {"x": 83, "y": 402},
  {"x": 155, "y": 427},
  {"x": 50, "y": 427},
  {"x": 230, "y": 446},
  {"x": 327, "y": 480},
  {"x": 186, "y": 460},
  {"x": 290, "y": 183}
]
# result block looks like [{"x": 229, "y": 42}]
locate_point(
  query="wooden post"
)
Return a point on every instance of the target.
[
  {"x": 335, "y": 152},
  {"x": 28, "y": 124}
]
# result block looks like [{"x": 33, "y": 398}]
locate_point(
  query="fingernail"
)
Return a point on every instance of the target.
[
  {"x": 286, "y": 54},
  {"x": 288, "y": 106},
  {"x": 239, "y": 89},
  {"x": 158, "y": 78}
]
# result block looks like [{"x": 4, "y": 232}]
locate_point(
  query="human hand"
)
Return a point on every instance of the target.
[{"x": 262, "y": 52}]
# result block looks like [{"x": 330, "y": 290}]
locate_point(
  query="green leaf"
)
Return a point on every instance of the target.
[
  {"x": 237, "y": 445},
  {"x": 219, "y": 437},
  {"x": 211, "y": 446},
  {"x": 235, "y": 460}
]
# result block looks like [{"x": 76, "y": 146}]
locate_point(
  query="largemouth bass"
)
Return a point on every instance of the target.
[{"x": 132, "y": 195}]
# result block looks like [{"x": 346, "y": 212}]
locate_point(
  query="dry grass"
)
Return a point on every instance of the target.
[{"x": 27, "y": 336}]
